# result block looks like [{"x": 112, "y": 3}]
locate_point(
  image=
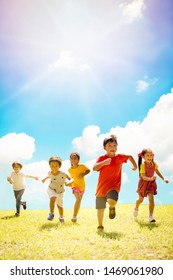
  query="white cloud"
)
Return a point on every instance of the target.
[
  {"x": 90, "y": 142},
  {"x": 143, "y": 85},
  {"x": 133, "y": 11},
  {"x": 69, "y": 61},
  {"x": 15, "y": 146},
  {"x": 155, "y": 131},
  {"x": 125, "y": 178},
  {"x": 39, "y": 169}
]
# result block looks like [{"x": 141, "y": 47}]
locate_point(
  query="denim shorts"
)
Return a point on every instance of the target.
[{"x": 101, "y": 201}]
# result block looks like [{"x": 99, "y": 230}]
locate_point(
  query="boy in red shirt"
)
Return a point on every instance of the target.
[{"x": 109, "y": 181}]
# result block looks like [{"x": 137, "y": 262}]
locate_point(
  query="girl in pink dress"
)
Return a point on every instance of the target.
[{"x": 147, "y": 182}]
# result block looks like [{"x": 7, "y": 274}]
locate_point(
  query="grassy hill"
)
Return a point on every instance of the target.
[{"x": 32, "y": 237}]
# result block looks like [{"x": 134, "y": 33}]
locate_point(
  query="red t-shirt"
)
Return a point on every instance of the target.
[{"x": 110, "y": 175}]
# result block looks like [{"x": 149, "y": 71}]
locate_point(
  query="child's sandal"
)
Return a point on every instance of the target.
[{"x": 112, "y": 213}]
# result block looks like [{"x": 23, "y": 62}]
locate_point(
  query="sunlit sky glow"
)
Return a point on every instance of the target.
[{"x": 74, "y": 71}]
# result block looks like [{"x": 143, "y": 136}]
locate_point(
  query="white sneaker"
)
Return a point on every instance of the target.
[
  {"x": 135, "y": 212},
  {"x": 61, "y": 219},
  {"x": 151, "y": 219}
]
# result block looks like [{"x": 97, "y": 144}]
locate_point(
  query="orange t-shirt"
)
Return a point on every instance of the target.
[{"x": 110, "y": 175}]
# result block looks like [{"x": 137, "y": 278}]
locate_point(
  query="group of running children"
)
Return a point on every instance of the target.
[{"x": 109, "y": 167}]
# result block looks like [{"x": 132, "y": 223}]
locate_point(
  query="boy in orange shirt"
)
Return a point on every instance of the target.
[{"x": 109, "y": 181}]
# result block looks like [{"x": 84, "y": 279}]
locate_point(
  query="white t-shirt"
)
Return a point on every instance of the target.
[
  {"x": 57, "y": 182},
  {"x": 18, "y": 180}
]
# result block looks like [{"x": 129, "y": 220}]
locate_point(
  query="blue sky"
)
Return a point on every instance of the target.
[{"x": 72, "y": 72}]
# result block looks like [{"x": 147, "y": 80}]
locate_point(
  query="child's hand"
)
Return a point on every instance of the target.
[
  {"x": 67, "y": 184},
  {"x": 36, "y": 178},
  {"x": 166, "y": 181},
  {"x": 107, "y": 161},
  {"x": 43, "y": 180},
  {"x": 134, "y": 167},
  {"x": 9, "y": 180},
  {"x": 81, "y": 175},
  {"x": 153, "y": 178}
]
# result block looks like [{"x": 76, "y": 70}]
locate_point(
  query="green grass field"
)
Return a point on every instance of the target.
[{"x": 32, "y": 237}]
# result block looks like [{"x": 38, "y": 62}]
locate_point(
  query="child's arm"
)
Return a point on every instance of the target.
[
  {"x": 43, "y": 180},
  {"x": 160, "y": 175},
  {"x": 146, "y": 178},
  {"x": 133, "y": 162},
  {"x": 68, "y": 184},
  {"x": 86, "y": 172},
  {"x": 9, "y": 180},
  {"x": 143, "y": 174},
  {"x": 68, "y": 177},
  {"x": 98, "y": 165},
  {"x": 32, "y": 177}
]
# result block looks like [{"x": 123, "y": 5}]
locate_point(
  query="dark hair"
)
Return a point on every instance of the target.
[
  {"x": 17, "y": 163},
  {"x": 140, "y": 155},
  {"x": 111, "y": 138},
  {"x": 75, "y": 154},
  {"x": 56, "y": 159}
]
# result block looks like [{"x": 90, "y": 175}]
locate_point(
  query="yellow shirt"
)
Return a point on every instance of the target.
[
  {"x": 74, "y": 173},
  {"x": 142, "y": 167}
]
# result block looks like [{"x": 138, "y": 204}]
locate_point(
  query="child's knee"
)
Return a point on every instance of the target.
[
  {"x": 111, "y": 202},
  {"x": 52, "y": 199}
]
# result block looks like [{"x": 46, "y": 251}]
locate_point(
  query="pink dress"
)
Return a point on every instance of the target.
[{"x": 145, "y": 187}]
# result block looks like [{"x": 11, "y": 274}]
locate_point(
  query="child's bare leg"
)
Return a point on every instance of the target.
[
  {"x": 111, "y": 202},
  {"x": 100, "y": 215},
  {"x": 112, "y": 212},
  {"x": 61, "y": 211},
  {"x": 151, "y": 204},
  {"x": 77, "y": 204},
  {"x": 138, "y": 202},
  {"x": 52, "y": 204}
]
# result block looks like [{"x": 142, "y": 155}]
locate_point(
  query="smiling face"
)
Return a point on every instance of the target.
[
  {"x": 54, "y": 166},
  {"x": 16, "y": 167},
  {"x": 74, "y": 160},
  {"x": 148, "y": 157},
  {"x": 111, "y": 148}
]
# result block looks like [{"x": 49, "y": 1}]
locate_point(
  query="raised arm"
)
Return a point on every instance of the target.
[
  {"x": 84, "y": 173},
  {"x": 98, "y": 165},
  {"x": 43, "y": 180},
  {"x": 133, "y": 162},
  {"x": 32, "y": 177}
]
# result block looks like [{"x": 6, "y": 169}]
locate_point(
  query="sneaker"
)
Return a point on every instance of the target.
[
  {"x": 61, "y": 220},
  {"x": 17, "y": 214},
  {"x": 135, "y": 212},
  {"x": 151, "y": 219},
  {"x": 112, "y": 213},
  {"x": 24, "y": 205},
  {"x": 51, "y": 216}
]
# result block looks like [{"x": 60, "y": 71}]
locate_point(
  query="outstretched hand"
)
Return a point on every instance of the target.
[{"x": 166, "y": 181}]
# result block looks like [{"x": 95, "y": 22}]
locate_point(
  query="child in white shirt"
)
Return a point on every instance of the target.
[{"x": 17, "y": 179}]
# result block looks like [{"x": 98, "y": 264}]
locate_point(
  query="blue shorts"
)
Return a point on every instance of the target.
[{"x": 101, "y": 201}]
